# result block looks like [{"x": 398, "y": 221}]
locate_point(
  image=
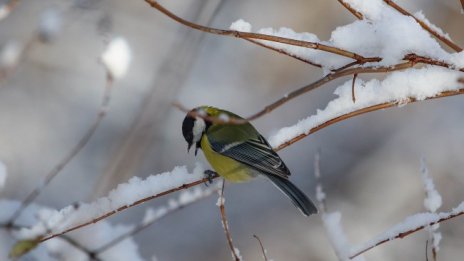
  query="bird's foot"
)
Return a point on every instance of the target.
[{"x": 209, "y": 175}]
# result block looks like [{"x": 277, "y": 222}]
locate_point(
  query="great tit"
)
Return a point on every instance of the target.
[{"x": 237, "y": 152}]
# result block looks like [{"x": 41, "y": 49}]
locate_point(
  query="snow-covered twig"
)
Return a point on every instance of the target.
[
  {"x": 125, "y": 196},
  {"x": 426, "y": 26},
  {"x": 409, "y": 226},
  {"x": 185, "y": 199},
  {"x": 432, "y": 202},
  {"x": 398, "y": 88},
  {"x": 257, "y": 36},
  {"x": 225, "y": 224}
]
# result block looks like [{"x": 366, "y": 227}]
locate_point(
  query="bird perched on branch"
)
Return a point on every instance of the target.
[{"x": 237, "y": 152}]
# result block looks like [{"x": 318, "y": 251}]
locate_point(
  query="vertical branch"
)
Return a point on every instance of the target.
[
  {"x": 225, "y": 224},
  {"x": 263, "y": 250},
  {"x": 353, "y": 97},
  {"x": 81, "y": 144}
]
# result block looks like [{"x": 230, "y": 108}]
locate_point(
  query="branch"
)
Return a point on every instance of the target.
[
  {"x": 386, "y": 237},
  {"x": 248, "y": 35},
  {"x": 81, "y": 144},
  {"x": 282, "y": 51},
  {"x": 136, "y": 203},
  {"x": 352, "y": 10},
  {"x": 181, "y": 203},
  {"x": 445, "y": 40},
  {"x": 360, "y": 112},
  {"x": 263, "y": 250},
  {"x": 225, "y": 224}
]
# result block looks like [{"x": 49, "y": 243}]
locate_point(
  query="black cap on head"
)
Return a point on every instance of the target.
[{"x": 187, "y": 129}]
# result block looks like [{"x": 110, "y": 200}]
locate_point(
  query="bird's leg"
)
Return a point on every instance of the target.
[{"x": 209, "y": 175}]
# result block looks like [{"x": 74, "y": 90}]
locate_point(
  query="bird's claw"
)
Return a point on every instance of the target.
[{"x": 209, "y": 175}]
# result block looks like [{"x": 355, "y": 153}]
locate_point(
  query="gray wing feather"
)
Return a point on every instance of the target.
[{"x": 256, "y": 153}]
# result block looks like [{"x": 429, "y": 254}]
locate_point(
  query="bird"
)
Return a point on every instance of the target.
[{"x": 238, "y": 152}]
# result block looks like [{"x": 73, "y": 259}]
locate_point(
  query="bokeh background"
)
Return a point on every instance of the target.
[{"x": 370, "y": 164}]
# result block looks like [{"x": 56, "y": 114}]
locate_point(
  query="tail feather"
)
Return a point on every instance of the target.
[{"x": 299, "y": 199}]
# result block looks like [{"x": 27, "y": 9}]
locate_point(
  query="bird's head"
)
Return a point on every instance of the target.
[{"x": 194, "y": 126}]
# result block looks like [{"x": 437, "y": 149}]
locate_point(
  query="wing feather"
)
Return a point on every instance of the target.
[{"x": 255, "y": 153}]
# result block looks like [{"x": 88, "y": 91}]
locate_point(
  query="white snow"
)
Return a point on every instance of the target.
[
  {"x": 10, "y": 54},
  {"x": 3, "y": 174},
  {"x": 337, "y": 237},
  {"x": 398, "y": 87},
  {"x": 386, "y": 33},
  {"x": 433, "y": 199},
  {"x": 410, "y": 223},
  {"x": 125, "y": 194},
  {"x": 241, "y": 25},
  {"x": 117, "y": 57}
]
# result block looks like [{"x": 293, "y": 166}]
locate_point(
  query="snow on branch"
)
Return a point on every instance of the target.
[
  {"x": 407, "y": 227},
  {"x": 136, "y": 191},
  {"x": 398, "y": 87}
]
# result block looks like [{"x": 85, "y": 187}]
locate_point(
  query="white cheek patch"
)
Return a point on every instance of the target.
[{"x": 198, "y": 128}]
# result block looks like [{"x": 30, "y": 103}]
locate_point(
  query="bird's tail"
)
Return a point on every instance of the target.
[{"x": 299, "y": 199}]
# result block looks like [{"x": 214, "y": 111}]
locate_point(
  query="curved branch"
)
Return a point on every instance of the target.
[{"x": 248, "y": 35}]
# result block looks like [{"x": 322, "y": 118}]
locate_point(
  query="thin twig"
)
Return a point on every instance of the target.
[
  {"x": 352, "y": 87},
  {"x": 81, "y": 144},
  {"x": 407, "y": 233},
  {"x": 352, "y": 10},
  {"x": 263, "y": 250},
  {"x": 143, "y": 225},
  {"x": 445, "y": 40},
  {"x": 282, "y": 51},
  {"x": 248, "y": 35},
  {"x": 427, "y": 250},
  {"x": 225, "y": 224}
]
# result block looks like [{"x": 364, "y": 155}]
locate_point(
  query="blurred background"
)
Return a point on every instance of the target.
[{"x": 370, "y": 164}]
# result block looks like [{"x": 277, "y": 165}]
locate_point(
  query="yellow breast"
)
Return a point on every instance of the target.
[{"x": 226, "y": 167}]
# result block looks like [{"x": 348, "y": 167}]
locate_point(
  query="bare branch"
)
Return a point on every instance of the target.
[
  {"x": 247, "y": 35},
  {"x": 263, "y": 250},
  {"x": 445, "y": 40},
  {"x": 352, "y": 87},
  {"x": 351, "y": 9},
  {"x": 81, "y": 144},
  {"x": 282, "y": 51},
  {"x": 225, "y": 224}
]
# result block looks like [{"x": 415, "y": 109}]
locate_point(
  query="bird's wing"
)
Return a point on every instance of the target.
[{"x": 255, "y": 153}]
